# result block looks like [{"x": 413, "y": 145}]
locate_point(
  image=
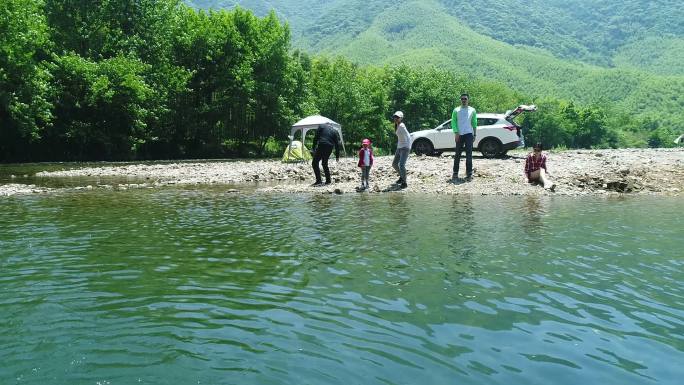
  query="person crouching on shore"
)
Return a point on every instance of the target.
[
  {"x": 535, "y": 168},
  {"x": 365, "y": 162}
]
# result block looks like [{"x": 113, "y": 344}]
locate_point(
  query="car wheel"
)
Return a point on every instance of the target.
[
  {"x": 423, "y": 147},
  {"x": 490, "y": 147}
]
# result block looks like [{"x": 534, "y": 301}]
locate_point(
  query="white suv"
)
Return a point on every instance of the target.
[{"x": 496, "y": 134}]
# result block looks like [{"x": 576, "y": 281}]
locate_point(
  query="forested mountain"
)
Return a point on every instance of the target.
[
  {"x": 589, "y": 30},
  {"x": 585, "y": 30},
  {"x": 628, "y": 54}
]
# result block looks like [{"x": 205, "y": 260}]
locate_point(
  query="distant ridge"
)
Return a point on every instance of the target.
[{"x": 627, "y": 54}]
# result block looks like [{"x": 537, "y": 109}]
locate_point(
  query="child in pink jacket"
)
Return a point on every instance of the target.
[{"x": 365, "y": 162}]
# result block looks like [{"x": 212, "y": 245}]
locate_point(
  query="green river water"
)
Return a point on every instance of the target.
[{"x": 202, "y": 286}]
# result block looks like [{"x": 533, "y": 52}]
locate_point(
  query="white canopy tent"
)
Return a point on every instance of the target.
[
  {"x": 680, "y": 140},
  {"x": 311, "y": 123}
]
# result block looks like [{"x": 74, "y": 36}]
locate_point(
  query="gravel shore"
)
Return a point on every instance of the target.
[{"x": 576, "y": 173}]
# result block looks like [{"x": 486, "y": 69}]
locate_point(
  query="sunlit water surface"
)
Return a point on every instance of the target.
[{"x": 182, "y": 286}]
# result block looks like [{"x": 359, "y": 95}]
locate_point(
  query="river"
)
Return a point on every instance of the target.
[{"x": 204, "y": 286}]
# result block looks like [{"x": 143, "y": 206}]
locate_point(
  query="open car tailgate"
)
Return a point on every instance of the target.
[{"x": 510, "y": 114}]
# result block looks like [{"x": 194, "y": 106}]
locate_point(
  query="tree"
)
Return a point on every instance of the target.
[
  {"x": 139, "y": 30},
  {"x": 24, "y": 78},
  {"x": 591, "y": 129},
  {"x": 272, "y": 82},
  {"x": 355, "y": 97},
  {"x": 548, "y": 125},
  {"x": 102, "y": 110}
]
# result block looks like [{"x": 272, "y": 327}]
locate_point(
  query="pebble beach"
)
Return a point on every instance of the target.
[{"x": 575, "y": 172}]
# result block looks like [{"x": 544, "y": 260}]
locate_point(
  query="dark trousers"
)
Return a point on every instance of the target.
[
  {"x": 322, "y": 154},
  {"x": 467, "y": 142},
  {"x": 365, "y": 175}
]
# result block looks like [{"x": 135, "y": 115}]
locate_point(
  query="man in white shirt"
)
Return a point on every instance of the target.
[
  {"x": 403, "y": 148},
  {"x": 464, "y": 125}
]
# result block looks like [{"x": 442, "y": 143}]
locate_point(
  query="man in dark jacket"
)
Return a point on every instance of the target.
[{"x": 324, "y": 141}]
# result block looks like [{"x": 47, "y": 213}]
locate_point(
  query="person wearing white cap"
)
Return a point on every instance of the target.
[{"x": 403, "y": 148}]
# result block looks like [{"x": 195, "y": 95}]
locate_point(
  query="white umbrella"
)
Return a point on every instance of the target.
[{"x": 311, "y": 123}]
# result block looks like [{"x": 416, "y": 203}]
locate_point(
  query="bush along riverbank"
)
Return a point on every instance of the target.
[{"x": 575, "y": 172}]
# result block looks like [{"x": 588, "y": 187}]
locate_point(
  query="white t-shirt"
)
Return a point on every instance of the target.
[
  {"x": 403, "y": 136},
  {"x": 465, "y": 118}
]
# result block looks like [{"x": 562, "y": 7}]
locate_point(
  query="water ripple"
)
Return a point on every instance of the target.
[{"x": 188, "y": 286}]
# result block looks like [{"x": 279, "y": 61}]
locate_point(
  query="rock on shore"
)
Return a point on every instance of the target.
[
  {"x": 17, "y": 188},
  {"x": 576, "y": 172}
]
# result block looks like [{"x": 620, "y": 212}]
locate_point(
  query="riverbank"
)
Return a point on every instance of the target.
[{"x": 575, "y": 172}]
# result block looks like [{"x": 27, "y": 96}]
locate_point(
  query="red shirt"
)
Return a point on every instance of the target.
[
  {"x": 361, "y": 156},
  {"x": 533, "y": 163}
]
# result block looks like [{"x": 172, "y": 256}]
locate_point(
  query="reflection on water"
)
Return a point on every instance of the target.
[
  {"x": 534, "y": 209},
  {"x": 201, "y": 286}
]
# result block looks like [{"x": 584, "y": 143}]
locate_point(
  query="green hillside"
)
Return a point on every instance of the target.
[
  {"x": 396, "y": 36},
  {"x": 587, "y": 30},
  {"x": 655, "y": 54},
  {"x": 623, "y": 54}
]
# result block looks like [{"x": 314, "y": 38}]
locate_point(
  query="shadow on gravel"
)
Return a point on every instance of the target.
[
  {"x": 393, "y": 187},
  {"x": 480, "y": 156}
]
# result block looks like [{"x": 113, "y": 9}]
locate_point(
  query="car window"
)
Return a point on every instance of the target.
[{"x": 486, "y": 121}]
